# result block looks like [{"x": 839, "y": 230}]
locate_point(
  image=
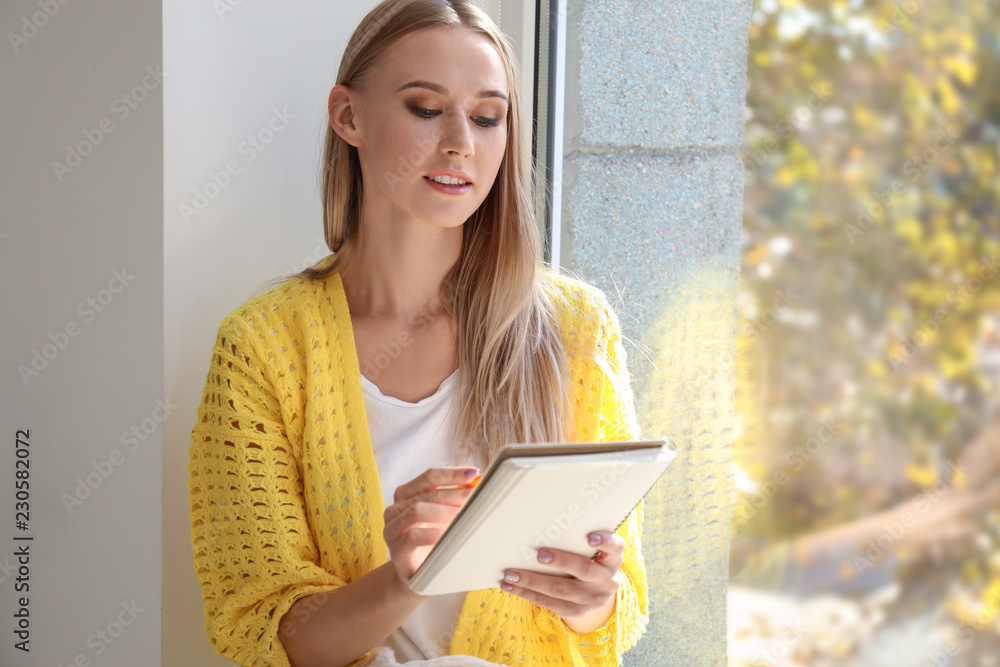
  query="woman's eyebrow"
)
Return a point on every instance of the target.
[{"x": 441, "y": 90}]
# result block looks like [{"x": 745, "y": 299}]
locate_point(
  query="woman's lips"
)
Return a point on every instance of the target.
[{"x": 449, "y": 189}]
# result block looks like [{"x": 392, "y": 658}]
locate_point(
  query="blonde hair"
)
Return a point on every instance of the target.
[{"x": 512, "y": 364}]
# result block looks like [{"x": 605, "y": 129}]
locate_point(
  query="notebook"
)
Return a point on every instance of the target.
[{"x": 532, "y": 496}]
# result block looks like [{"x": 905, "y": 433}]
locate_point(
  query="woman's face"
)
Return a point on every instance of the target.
[{"x": 436, "y": 103}]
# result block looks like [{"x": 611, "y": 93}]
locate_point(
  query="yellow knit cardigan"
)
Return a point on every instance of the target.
[{"x": 284, "y": 491}]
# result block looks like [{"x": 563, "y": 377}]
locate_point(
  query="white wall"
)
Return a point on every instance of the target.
[{"x": 262, "y": 70}]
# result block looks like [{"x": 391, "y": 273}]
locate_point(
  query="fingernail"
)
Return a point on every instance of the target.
[
  {"x": 594, "y": 539},
  {"x": 544, "y": 556},
  {"x": 505, "y": 586},
  {"x": 512, "y": 577},
  {"x": 471, "y": 472}
]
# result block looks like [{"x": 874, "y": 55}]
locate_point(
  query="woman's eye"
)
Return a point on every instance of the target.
[
  {"x": 423, "y": 113},
  {"x": 431, "y": 113}
]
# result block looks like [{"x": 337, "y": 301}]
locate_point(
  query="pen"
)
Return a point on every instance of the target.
[
  {"x": 474, "y": 483},
  {"x": 468, "y": 485}
]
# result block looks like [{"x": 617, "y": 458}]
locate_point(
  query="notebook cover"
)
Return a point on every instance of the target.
[{"x": 544, "y": 495}]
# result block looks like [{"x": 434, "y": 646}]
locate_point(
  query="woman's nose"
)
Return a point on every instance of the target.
[{"x": 458, "y": 136}]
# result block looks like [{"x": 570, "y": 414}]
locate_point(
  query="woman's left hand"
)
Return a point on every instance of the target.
[{"x": 584, "y": 599}]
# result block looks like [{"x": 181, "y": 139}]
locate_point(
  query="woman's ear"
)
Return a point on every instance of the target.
[{"x": 342, "y": 108}]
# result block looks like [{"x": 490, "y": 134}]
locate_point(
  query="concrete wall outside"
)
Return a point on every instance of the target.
[{"x": 652, "y": 211}]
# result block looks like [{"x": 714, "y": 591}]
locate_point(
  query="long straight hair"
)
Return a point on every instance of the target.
[{"x": 513, "y": 369}]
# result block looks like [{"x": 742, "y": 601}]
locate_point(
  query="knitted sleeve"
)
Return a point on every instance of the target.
[
  {"x": 605, "y": 646},
  {"x": 254, "y": 554}
]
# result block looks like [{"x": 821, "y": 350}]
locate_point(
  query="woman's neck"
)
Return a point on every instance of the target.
[{"x": 398, "y": 273}]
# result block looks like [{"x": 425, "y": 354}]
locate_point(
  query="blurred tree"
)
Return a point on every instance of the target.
[{"x": 871, "y": 272}]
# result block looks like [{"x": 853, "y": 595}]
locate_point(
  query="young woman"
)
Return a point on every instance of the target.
[{"x": 342, "y": 404}]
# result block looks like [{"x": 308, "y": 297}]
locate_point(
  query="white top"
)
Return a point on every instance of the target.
[{"x": 407, "y": 438}]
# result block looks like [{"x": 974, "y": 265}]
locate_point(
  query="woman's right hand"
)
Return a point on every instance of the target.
[{"x": 420, "y": 513}]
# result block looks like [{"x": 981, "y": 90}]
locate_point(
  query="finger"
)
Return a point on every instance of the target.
[
  {"x": 583, "y": 568},
  {"x": 414, "y": 546},
  {"x": 610, "y": 548},
  {"x": 402, "y": 516},
  {"x": 419, "y": 511},
  {"x": 561, "y": 607},
  {"x": 610, "y": 554},
  {"x": 435, "y": 477},
  {"x": 453, "y": 497},
  {"x": 419, "y": 537},
  {"x": 536, "y": 586}
]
